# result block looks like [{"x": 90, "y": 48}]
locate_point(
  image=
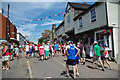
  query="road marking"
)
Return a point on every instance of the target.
[
  {"x": 48, "y": 77},
  {"x": 30, "y": 70},
  {"x": 60, "y": 62}
]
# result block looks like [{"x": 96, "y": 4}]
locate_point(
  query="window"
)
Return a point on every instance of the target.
[
  {"x": 93, "y": 15},
  {"x": 68, "y": 20},
  {"x": 80, "y": 22},
  {"x": 102, "y": 39}
]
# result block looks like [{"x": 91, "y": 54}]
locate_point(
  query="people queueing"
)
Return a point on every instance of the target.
[{"x": 97, "y": 55}]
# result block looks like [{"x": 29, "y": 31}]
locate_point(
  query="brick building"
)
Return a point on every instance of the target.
[{"x": 4, "y": 33}]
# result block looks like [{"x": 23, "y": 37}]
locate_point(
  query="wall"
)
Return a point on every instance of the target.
[
  {"x": 67, "y": 28},
  {"x": 0, "y": 25},
  {"x": 4, "y": 27},
  {"x": 87, "y": 25},
  {"x": 112, "y": 9}
]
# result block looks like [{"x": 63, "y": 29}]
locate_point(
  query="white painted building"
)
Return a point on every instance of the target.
[{"x": 21, "y": 39}]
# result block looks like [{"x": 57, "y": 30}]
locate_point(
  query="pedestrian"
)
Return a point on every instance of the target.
[
  {"x": 50, "y": 50},
  {"x": 46, "y": 51},
  {"x": 42, "y": 52},
  {"x": 56, "y": 48},
  {"x": 36, "y": 51},
  {"x": 5, "y": 57},
  {"x": 106, "y": 56},
  {"x": 77, "y": 60},
  {"x": 71, "y": 59},
  {"x": 16, "y": 52},
  {"x": 12, "y": 51},
  {"x": 91, "y": 53},
  {"x": 32, "y": 50},
  {"x": 82, "y": 53},
  {"x": 27, "y": 51},
  {"x": 97, "y": 55}
]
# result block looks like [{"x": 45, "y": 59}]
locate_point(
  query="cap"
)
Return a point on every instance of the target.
[
  {"x": 70, "y": 41},
  {"x": 105, "y": 45},
  {"x": 95, "y": 42}
]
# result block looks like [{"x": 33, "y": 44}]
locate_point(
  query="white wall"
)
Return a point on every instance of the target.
[
  {"x": 87, "y": 25},
  {"x": 112, "y": 9},
  {"x": 20, "y": 39}
]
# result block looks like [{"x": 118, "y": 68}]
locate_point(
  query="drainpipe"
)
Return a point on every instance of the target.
[{"x": 111, "y": 32}]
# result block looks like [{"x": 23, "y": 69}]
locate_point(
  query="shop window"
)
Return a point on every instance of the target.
[{"x": 102, "y": 39}]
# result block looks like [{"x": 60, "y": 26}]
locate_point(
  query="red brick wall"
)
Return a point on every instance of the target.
[
  {"x": 13, "y": 31},
  {"x": 4, "y": 27}
]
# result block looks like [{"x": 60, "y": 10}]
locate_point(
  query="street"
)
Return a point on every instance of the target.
[{"x": 53, "y": 68}]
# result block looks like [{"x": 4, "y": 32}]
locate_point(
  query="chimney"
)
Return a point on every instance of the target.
[
  {"x": 54, "y": 26},
  {"x": 85, "y": 3}
]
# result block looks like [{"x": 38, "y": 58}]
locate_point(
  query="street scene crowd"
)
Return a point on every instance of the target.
[{"x": 75, "y": 54}]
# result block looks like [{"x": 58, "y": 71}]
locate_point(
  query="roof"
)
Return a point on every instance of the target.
[
  {"x": 62, "y": 23},
  {"x": 87, "y": 10},
  {"x": 78, "y": 6}
]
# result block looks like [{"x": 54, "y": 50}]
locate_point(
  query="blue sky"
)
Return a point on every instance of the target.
[{"x": 28, "y": 11}]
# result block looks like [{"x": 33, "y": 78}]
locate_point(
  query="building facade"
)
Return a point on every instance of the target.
[
  {"x": 99, "y": 23},
  {"x": 21, "y": 39}
]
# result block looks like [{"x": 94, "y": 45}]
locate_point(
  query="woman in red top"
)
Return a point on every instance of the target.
[{"x": 5, "y": 57}]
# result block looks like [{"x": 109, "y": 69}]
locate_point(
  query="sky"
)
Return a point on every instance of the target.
[{"x": 21, "y": 12}]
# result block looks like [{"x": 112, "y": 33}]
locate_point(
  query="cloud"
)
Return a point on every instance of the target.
[
  {"x": 48, "y": 0},
  {"x": 51, "y": 22}
]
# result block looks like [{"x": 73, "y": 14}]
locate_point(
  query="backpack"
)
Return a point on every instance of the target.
[{"x": 32, "y": 48}]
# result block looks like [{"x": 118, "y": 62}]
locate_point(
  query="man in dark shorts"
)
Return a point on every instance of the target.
[{"x": 71, "y": 59}]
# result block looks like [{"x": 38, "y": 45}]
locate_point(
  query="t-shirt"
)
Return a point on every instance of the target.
[
  {"x": 56, "y": 46},
  {"x": 71, "y": 52},
  {"x": 46, "y": 47},
  {"x": 97, "y": 49},
  {"x": 27, "y": 48}
]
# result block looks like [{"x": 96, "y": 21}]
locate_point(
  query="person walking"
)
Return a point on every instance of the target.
[
  {"x": 42, "y": 52},
  {"x": 105, "y": 56},
  {"x": 16, "y": 52},
  {"x": 27, "y": 51},
  {"x": 56, "y": 48},
  {"x": 36, "y": 51},
  {"x": 32, "y": 50},
  {"x": 5, "y": 57},
  {"x": 71, "y": 59},
  {"x": 97, "y": 55},
  {"x": 91, "y": 53},
  {"x": 46, "y": 51}
]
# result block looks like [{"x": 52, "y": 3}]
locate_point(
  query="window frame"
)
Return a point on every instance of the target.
[{"x": 94, "y": 19}]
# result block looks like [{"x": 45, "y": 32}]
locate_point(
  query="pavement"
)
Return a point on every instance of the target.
[
  {"x": 18, "y": 69},
  {"x": 55, "y": 67}
]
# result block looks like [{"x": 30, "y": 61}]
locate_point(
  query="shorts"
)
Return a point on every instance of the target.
[
  {"x": 36, "y": 51},
  {"x": 71, "y": 62},
  {"x": 103, "y": 57},
  {"x": 98, "y": 58},
  {"x": 50, "y": 51},
  {"x": 27, "y": 52},
  {"x": 5, "y": 58},
  {"x": 77, "y": 61}
]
